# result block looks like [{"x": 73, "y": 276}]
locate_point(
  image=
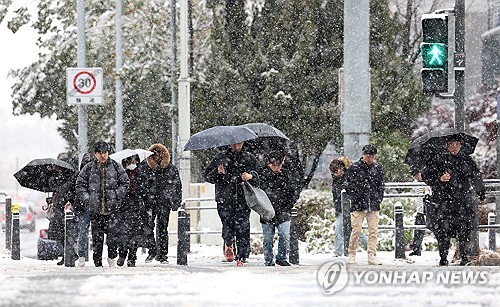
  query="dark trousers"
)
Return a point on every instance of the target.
[
  {"x": 159, "y": 245},
  {"x": 418, "y": 235},
  {"x": 130, "y": 251},
  {"x": 236, "y": 223},
  {"x": 463, "y": 235},
  {"x": 100, "y": 227}
]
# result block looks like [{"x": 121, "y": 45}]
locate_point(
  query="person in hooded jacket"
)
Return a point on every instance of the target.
[
  {"x": 227, "y": 170},
  {"x": 101, "y": 186},
  {"x": 161, "y": 192},
  {"x": 453, "y": 177},
  {"x": 280, "y": 183}
]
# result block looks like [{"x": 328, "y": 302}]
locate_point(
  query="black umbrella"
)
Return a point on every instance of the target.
[
  {"x": 428, "y": 146},
  {"x": 219, "y": 136},
  {"x": 265, "y": 130},
  {"x": 37, "y": 174}
]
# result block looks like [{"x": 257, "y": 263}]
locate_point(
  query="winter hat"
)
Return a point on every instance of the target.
[
  {"x": 101, "y": 146},
  {"x": 369, "y": 150}
]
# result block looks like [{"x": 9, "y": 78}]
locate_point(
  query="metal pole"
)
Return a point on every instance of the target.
[
  {"x": 8, "y": 223},
  {"x": 346, "y": 220},
  {"x": 81, "y": 62},
  {"x": 184, "y": 101},
  {"x": 294, "y": 238},
  {"x": 182, "y": 237},
  {"x": 69, "y": 238},
  {"x": 16, "y": 240},
  {"x": 356, "y": 117},
  {"x": 459, "y": 71},
  {"x": 399, "y": 231},
  {"x": 492, "y": 232},
  {"x": 118, "y": 81},
  {"x": 173, "y": 66}
]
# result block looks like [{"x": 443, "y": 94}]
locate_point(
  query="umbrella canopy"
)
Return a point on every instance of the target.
[
  {"x": 219, "y": 136},
  {"x": 265, "y": 130},
  {"x": 428, "y": 146},
  {"x": 127, "y": 152},
  {"x": 36, "y": 174}
]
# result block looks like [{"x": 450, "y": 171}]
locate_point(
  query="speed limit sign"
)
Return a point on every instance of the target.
[{"x": 84, "y": 85}]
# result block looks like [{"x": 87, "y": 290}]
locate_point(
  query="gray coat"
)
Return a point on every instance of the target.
[{"x": 88, "y": 186}]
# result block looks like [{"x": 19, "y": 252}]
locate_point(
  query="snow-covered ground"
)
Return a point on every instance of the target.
[{"x": 208, "y": 281}]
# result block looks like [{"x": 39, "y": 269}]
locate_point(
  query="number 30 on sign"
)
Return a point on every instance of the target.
[{"x": 84, "y": 86}]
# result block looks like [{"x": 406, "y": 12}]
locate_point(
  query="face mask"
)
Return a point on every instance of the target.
[{"x": 131, "y": 167}]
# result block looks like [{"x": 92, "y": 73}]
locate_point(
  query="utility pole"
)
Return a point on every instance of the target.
[
  {"x": 184, "y": 101},
  {"x": 356, "y": 115},
  {"x": 118, "y": 81},
  {"x": 459, "y": 64},
  {"x": 81, "y": 62},
  {"x": 173, "y": 66}
]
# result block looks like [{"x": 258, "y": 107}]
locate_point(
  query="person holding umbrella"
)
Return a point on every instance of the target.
[
  {"x": 101, "y": 186},
  {"x": 227, "y": 170},
  {"x": 452, "y": 176}
]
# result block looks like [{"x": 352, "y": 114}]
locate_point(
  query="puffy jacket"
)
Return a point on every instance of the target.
[
  {"x": 365, "y": 186},
  {"x": 159, "y": 184},
  {"x": 88, "y": 186}
]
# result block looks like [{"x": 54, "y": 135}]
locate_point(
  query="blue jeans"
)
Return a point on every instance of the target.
[
  {"x": 339, "y": 236},
  {"x": 83, "y": 233},
  {"x": 283, "y": 242}
]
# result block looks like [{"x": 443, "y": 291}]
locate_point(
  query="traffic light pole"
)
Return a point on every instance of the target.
[{"x": 459, "y": 64}]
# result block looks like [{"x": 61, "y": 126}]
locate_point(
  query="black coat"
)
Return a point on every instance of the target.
[
  {"x": 281, "y": 188},
  {"x": 451, "y": 206},
  {"x": 365, "y": 186},
  {"x": 129, "y": 225},
  {"x": 337, "y": 186},
  {"x": 159, "y": 184},
  {"x": 228, "y": 189},
  {"x": 88, "y": 186}
]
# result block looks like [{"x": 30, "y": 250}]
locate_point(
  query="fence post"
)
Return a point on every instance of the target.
[
  {"x": 346, "y": 220},
  {"x": 294, "y": 238},
  {"x": 399, "y": 231},
  {"x": 8, "y": 223},
  {"x": 69, "y": 238},
  {"x": 16, "y": 240},
  {"x": 492, "y": 231},
  {"x": 182, "y": 236}
]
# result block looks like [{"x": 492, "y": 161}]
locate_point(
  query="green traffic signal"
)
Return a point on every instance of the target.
[{"x": 434, "y": 55}]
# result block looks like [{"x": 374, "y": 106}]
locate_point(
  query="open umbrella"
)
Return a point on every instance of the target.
[
  {"x": 428, "y": 146},
  {"x": 265, "y": 130},
  {"x": 37, "y": 173},
  {"x": 127, "y": 152},
  {"x": 219, "y": 136}
]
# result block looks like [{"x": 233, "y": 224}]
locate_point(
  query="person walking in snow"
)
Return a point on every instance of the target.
[
  {"x": 418, "y": 234},
  {"x": 162, "y": 192},
  {"x": 280, "y": 184},
  {"x": 453, "y": 177},
  {"x": 365, "y": 186},
  {"x": 227, "y": 170},
  {"x": 101, "y": 186}
]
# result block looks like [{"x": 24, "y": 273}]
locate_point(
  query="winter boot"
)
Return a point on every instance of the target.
[
  {"x": 120, "y": 261},
  {"x": 373, "y": 260},
  {"x": 351, "y": 259},
  {"x": 81, "y": 262},
  {"x": 111, "y": 262}
]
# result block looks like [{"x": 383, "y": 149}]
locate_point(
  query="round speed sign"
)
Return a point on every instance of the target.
[{"x": 84, "y": 82}]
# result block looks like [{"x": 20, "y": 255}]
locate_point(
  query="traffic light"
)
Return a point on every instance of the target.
[{"x": 434, "y": 50}]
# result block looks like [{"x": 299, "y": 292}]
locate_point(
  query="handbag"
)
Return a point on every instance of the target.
[{"x": 258, "y": 201}]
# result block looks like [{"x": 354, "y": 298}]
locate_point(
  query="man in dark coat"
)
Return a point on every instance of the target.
[
  {"x": 162, "y": 188},
  {"x": 365, "y": 186},
  {"x": 101, "y": 186},
  {"x": 452, "y": 177},
  {"x": 280, "y": 184},
  {"x": 227, "y": 170}
]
